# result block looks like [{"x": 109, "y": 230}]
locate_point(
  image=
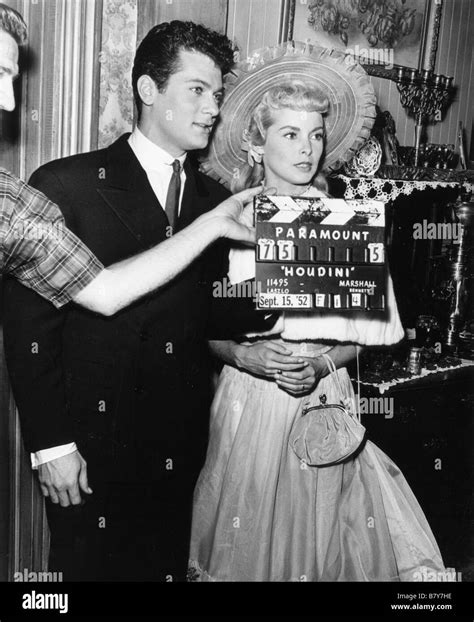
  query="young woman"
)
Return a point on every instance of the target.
[{"x": 260, "y": 513}]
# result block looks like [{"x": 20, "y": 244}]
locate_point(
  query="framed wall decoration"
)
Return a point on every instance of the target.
[{"x": 382, "y": 34}]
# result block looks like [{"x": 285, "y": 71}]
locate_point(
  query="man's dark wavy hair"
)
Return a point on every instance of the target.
[
  {"x": 158, "y": 54},
  {"x": 13, "y": 23}
]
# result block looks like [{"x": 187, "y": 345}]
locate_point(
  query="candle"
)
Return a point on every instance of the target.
[{"x": 426, "y": 75}]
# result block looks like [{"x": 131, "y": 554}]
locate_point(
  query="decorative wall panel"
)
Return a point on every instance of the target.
[
  {"x": 211, "y": 13},
  {"x": 119, "y": 39}
]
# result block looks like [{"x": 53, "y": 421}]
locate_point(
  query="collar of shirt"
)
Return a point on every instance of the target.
[{"x": 157, "y": 164}]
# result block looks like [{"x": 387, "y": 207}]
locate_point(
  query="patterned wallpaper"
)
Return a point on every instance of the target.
[{"x": 119, "y": 40}]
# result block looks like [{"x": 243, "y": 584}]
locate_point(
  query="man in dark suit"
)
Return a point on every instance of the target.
[
  {"x": 42, "y": 253},
  {"x": 133, "y": 388}
]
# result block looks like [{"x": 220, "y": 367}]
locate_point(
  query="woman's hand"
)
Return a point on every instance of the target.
[
  {"x": 266, "y": 358},
  {"x": 298, "y": 383}
]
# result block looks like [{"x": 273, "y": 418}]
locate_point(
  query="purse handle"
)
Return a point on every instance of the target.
[
  {"x": 335, "y": 376},
  {"x": 333, "y": 372}
]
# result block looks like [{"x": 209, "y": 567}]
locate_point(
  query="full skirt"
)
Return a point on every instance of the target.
[{"x": 261, "y": 514}]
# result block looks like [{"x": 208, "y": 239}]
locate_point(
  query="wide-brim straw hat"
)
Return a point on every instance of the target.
[{"x": 343, "y": 81}]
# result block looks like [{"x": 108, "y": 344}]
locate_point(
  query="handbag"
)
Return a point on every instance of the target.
[{"x": 328, "y": 433}]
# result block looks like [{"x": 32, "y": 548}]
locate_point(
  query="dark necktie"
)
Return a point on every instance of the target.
[{"x": 172, "y": 198}]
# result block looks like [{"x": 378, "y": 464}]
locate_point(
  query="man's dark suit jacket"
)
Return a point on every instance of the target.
[{"x": 131, "y": 390}]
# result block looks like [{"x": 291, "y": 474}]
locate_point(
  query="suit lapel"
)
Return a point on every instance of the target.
[{"x": 127, "y": 191}]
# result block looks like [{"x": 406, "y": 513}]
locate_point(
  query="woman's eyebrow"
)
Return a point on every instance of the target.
[{"x": 297, "y": 129}]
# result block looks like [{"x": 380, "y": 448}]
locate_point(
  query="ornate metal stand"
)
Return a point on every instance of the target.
[
  {"x": 425, "y": 95},
  {"x": 462, "y": 274}
]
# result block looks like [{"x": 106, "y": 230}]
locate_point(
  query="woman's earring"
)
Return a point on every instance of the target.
[{"x": 255, "y": 154}]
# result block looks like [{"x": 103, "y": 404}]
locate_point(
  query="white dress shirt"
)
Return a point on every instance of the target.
[{"x": 157, "y": 164}]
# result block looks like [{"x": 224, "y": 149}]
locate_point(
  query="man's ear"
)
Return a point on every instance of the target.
[{"x": 147, "y": 90}]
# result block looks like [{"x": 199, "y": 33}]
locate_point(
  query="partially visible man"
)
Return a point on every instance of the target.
[{"x": 37, "y": 248}]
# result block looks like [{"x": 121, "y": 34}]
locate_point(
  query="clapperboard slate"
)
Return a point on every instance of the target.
[{"x": 318, "y": 253}]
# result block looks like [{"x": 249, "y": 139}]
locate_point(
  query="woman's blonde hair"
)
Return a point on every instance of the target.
[{"x": 292, "y": 94}]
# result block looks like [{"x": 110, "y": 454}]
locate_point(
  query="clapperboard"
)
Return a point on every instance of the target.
[{"x": 318, "y": 253}]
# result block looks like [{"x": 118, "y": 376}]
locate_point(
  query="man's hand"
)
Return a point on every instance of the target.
[
  {"x": 229, "y": 214},
  {"x": 266, "y": 358},
  {"x": 61, "y": 479}
]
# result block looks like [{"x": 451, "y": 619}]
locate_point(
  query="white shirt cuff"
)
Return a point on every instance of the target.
[{"x": 46, "y": 455}]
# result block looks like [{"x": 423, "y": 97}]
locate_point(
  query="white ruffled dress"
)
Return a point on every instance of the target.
[{"x": 260, "y": 514}]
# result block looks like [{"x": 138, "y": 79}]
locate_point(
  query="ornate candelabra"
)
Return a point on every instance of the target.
[{"x": 425, "y": 94}]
